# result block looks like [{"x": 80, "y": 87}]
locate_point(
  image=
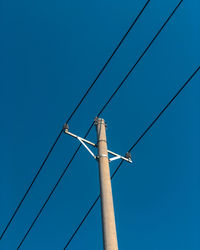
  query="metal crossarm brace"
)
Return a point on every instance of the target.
[
  {"x": 115, "y": 158},
  {"x": 83, "y": 141}
]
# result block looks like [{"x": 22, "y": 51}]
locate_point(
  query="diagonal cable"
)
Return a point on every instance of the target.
[
  {"x": 70, "y": 117},
  {"x": 37, "y": 216},
  {"x": 131, "y": 148},
  {"x": 141, "y": 56}
]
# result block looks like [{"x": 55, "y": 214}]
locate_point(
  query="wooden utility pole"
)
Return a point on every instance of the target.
[{"x": 107, "y": 208}]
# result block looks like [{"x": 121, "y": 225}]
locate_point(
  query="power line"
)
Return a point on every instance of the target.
[
  {"x": 99, "y": 115},
  {"x": 144, "y": 52},
  {"x": 28, "y": 189},
  {"x": 80, "y": 224},
  {"x": 113, "y": 53},
  {"x": 131, "y": 148},
  {"x": 70, "y": 117},
  {"x": 52, "y": 191},
  {"x": 148, "y": 128}
]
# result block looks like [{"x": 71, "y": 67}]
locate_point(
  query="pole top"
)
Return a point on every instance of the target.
[{"x": 98, "y": 120}]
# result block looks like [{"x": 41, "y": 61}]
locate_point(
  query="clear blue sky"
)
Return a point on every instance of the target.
[{"x": 50, "y": 53}]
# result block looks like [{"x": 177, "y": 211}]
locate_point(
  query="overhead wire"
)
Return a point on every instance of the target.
[
  {"x": 130, "y": 149},
  {"x": 53, "y": 189},
  {"x": 70, "y": 117},
  {"x": 141, "y": 56},
  {"x": 103, "y": 108}
]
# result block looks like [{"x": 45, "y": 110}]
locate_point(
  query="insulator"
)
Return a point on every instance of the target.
[
  {"x": 128, "y": 155},
  {"x": 65, "y": 127}
]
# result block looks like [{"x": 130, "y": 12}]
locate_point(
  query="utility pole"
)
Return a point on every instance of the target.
[{"x": 107, "y": 208}]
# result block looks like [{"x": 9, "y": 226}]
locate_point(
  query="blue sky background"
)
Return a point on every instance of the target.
[{"x": 50, "y": 53}]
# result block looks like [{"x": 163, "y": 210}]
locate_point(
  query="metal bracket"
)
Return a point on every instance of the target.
[
  {"x": 115, "y": 158},
  {"x": 84, "y": 141},
  {"x": 80, "y": 139}
]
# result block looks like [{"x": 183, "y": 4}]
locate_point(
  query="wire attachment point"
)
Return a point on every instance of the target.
[
  {"x": 66, "y": 127},
  {"x": 128, "y": 156}
]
